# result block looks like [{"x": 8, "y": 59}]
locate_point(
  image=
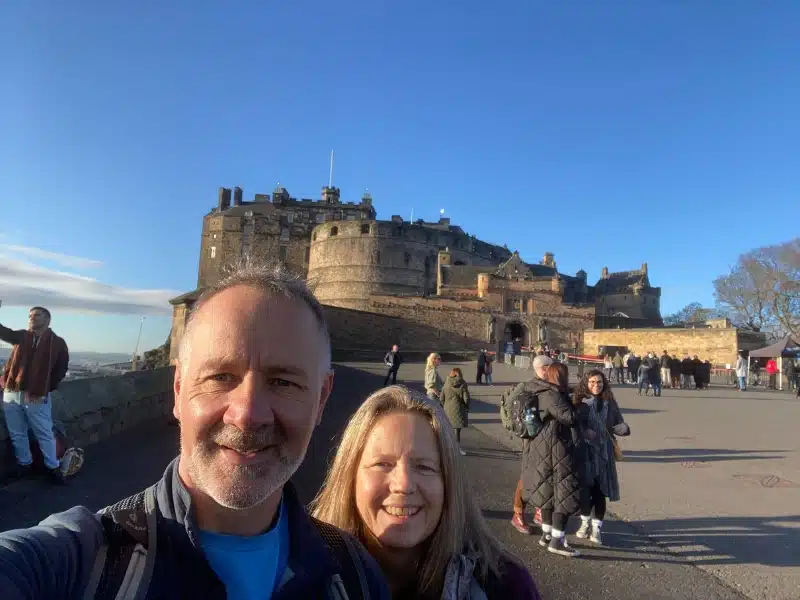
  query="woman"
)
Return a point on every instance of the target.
[
  {"x": 455, "y": 400},
  {"x": 397, "y": 484},
  {"x": 608, "y": 365},
  {"x": 433, "y": 382},
  {"x": 551, "y": 461},
  {"x": 599, "y": 424}
]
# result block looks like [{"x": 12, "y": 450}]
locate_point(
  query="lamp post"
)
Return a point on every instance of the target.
[{"x": 136, "y": 349}]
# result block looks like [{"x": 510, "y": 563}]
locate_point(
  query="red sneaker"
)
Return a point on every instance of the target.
[
  {"x": 537, "y": 517},
  {"x": 520, "y": 525}
]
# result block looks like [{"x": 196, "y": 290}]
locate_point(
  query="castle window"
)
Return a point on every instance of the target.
[
  {"x": 307, "y": 255},
  {"x": 427, "y": 267},
  {"x": 290, "y": 218},
  {"x": 212, "y": 252},
  {"x": 314, "y": 237},
  {"x": 378, "y": 257},
  {"x": 364, "y": 228},
  {"x": 334, "y": 231},
  {"x": 282, "y": 253},
  {"x": 319, "y": 217},
  {"x": 407, "y": 258},
  {"x": 285, "y": 234}
]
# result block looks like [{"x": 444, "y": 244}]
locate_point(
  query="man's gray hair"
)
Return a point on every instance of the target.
[{"x": 271, "y": 278}]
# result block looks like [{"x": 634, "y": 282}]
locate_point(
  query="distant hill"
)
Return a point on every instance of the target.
[{"x": 83, "y": 357}]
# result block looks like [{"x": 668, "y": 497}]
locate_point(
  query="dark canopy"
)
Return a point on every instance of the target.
[{"x": 785, "y": 347}]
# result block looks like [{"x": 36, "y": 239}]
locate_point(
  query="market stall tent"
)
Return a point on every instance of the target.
[{"x": 787, "y": 347}]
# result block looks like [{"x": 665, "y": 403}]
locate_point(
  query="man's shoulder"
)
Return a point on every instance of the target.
[{"x": 52, "y": 559}]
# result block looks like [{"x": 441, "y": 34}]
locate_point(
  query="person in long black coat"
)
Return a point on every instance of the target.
[{"x": 552, "y": 461}]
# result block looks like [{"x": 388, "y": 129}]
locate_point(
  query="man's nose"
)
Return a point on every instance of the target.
[{"x": 250, "y": 405}]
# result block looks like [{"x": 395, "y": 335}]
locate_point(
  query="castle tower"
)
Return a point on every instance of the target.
[
  {"x": 224, "y": 198},
  {"x": 237, "y": 196},
  {"x": 605, "y": 273},
  {"x": 549, "y": 260},
  {"x": 330, "y": 195},
  {"x": 445, "y": 260}
]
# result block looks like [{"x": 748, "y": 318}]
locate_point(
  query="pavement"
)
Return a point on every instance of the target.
[{"x": 710, "y": 507}]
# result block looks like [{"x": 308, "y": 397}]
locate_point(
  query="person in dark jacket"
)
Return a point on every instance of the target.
[
  {"x": 38, "y": 362},
  {"x": 392, "y": 360},
  {"x": 697, "y": 372},
  {"x": 644, "y": 377},
  {"x": 599, "y": 426},
  {"x": 654, "y": 375},
  {"x": 552, "y": 462},
  {"x": 675, "y": 372},
  {"x": 455, "y": 400},
  {"x": 251, "y": 383},
  {"x": 481, "y": 366},
  {"x": 634, "y": 362},
  {"x": 687, "y": 372}
]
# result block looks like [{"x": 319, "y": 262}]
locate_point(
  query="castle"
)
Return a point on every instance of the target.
[{"x": 427, "y": 273}]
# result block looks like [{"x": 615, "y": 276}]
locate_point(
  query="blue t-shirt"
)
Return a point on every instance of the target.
[{"x": 250, "y": 567}]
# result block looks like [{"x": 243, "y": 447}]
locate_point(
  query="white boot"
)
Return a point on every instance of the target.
[
  {"x": 583, "y": 531},
  {"x": 596, "y": 537}
]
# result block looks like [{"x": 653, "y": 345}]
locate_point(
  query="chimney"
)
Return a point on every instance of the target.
[
  {"x": 224, "y": 198},
  {"x": 237, "y": 196},
  {"x": 444, "y": 221},
  {"x": 548, "y": 260},
  {"x": 605, "y": 272},
  {"x": 644, "y": 268}
]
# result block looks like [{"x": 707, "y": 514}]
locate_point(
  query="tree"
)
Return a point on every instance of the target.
[
  {"x": 762, "y": 290},
  {"x": 693, "y": 312}
]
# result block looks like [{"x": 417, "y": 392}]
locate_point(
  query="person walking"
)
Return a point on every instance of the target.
[
  {"x": 664, "y": 365},
  {"x": 772, "y": 373},
  {"x": 455, "y": 400},
  {"x": 643, "y": 377},
  {"x": 481, "y": 366},
  {"x": 791, "y": 373},
  {"x": 488, "y": 368},
  {"x": 741, "y": 372},
  {"x": 251, "y": 383},
  {"x": 608, "y": 365},
  {"x": 38, "y": 362},
  {"x": 553, "y": 461},
  {"x": 600, "y": 424},
  {"x": 392, "y": 360},
  {"x": 433, "y": 382},
  {"x": 618, "y": 365}
]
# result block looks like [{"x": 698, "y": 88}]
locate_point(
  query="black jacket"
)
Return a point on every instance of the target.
[
  {"x": 395, "y": 359},
  {"x": 552, "y": 461}
]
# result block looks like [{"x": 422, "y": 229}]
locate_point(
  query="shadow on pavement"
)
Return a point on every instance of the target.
[{"x": 673, "y": 455}]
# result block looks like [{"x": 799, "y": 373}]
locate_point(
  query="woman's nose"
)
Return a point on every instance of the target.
[{"x": 402, "y": 479}]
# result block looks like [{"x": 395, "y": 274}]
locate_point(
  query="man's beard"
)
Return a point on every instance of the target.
[{"x": 240, "y": 487}]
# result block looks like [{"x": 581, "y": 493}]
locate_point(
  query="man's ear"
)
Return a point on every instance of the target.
[
  {"x": 324, "y": 394},
  {"x": 176, "y": 391}
]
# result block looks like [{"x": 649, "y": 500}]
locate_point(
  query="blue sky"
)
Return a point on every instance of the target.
[{"x": 609, "y": 133}]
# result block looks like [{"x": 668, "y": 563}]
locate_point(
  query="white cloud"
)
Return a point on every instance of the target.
[
  {"x": 26, "y": 284},
  {"x": 75, "y": 262}
]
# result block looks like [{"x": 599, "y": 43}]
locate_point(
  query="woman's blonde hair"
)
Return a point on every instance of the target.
[
  {"x": 461, "y": 528},
  {"x": 431, "y": 357}
]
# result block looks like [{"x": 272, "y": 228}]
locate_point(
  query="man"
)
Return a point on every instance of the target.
[
  {"x": 618, "y": 364},
  {"x": 393, "y": 360},
  {"x": 626, "y": 373},
  {"x": 791, "y": 373},
  {"x": 37, "y": 364},
  {"x": 741, "y": 371},
  {"x": 481, "y": 366},
  {"x": 540, "y": 364},
  {"x": 664, "y": 363},
  {"x": 251, "y": 382}
]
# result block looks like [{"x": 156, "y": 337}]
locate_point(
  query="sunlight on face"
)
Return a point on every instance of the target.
[
  {"x": 595, "y": 384},
  {"x": 399, "y": 484}
]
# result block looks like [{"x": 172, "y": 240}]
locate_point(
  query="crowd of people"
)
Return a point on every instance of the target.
[{"x": 651, "y": 372}]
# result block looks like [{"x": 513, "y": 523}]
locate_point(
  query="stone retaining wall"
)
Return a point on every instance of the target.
[{"x": 98, "y": 408}]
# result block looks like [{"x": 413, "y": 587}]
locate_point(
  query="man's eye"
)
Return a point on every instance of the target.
[
  {"x": 223, "y": 377},
  {"x": 282, "y": 382}
]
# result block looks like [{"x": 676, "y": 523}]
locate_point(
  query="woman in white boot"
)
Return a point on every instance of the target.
[{"x": 599, "y": 425}]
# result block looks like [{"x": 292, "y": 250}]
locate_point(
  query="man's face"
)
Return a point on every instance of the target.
[
  {"x": 253, "y": 388},
  {"x": 395, "y": 348},
  {"x": 541, "y": 372},
  {"x": 37, "y": 319}
]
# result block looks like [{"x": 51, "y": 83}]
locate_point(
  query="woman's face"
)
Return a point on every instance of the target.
[
  {"x": 399, "y": 483},
  {"x": 595, "y": 384}
]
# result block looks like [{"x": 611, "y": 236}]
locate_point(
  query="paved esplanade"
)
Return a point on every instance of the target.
[{"x": 711, "y": 482}]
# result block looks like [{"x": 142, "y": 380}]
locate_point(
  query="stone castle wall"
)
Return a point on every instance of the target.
[
  {"x": 349, "y": 260},
  {"x": 719, "y": 346},
  {"x": 96, "y": 409},
  {"x": 645, "y": 305}
]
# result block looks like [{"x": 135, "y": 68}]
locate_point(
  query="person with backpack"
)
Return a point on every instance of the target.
[
  {"x": 398, "y": 483},
  {"x": 553, "y": 462},
  {"x": 392, "y": 360},
  {"x": 251, "y": 381},
  {"x": 512, "y": 414},
  {"x": 455, "y": 400}
]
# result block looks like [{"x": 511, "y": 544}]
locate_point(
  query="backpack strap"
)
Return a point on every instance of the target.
[
  {"x": 353, "y": 577},
  {"x": 124, "y": 564}
]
